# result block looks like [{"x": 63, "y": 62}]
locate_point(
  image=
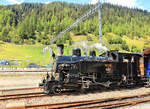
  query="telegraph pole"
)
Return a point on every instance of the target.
[
  {"x": 99, "y": 14},
  {"x": 82, "y": 18}
]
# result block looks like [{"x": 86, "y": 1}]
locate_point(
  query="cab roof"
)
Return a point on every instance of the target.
[{"x": 146, "y": 52}]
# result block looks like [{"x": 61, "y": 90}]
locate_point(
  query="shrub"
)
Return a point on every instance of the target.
[{"x": 124, "y": 46}]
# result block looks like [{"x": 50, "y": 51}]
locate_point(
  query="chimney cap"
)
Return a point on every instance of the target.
[
  {"x": 60, "y": 48},
  {"x": 60, "y": 45}
]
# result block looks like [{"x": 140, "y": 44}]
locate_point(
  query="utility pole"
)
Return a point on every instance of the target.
[
  {"x": 82, "y": 18},
  {"x": 99, "y": 14}
]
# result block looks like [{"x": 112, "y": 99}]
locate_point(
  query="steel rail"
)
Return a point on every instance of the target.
[
  {"x": 122, "y": 104},
  {"x": 15, "y": 89},
  {"x": 25, "y": 70},
  {"x": 21, "y": 96},
  {"x": 11, "y": 95},
  {"x": 97, "y": 102},
  {"x": 114, "y": 104},
  {"x": 31, "y": 95}
]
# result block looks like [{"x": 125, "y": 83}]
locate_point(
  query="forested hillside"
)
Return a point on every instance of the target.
[{"x": 31, "y": 23}]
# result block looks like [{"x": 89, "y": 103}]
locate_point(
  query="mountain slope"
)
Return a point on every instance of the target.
[{"x": 32, "y": 23}]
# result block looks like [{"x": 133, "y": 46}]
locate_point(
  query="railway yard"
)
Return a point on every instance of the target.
[
  {"x": 22, "y": 96},
  {"x": 112, "y": 79},
  {"x": 19, "y": 89}
]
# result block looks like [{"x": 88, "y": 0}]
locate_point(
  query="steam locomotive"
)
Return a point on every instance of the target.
[{"x": 112, "y": 68}]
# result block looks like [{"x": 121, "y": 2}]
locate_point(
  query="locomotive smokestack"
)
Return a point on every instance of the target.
[
  {"x": 93, "y": 53},
  {"x": 77, "y": 52},
  {"x": 60, "y": 48}
]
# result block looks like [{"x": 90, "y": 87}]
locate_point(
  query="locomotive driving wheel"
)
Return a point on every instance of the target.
[{"x": 56, "y": 89}]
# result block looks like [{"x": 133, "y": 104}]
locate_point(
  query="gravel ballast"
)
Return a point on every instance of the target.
[
  {"x": 72, "y": 98},
  {"x": 33, "y": 80}
]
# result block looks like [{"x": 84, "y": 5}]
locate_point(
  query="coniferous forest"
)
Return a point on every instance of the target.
[{"x": 29, "y": 23}]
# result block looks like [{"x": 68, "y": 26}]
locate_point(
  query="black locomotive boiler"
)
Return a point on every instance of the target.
[{"x": 112, "y": 68}]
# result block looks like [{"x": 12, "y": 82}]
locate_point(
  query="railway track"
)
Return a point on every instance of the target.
[
  {"x": 29, "y": 95},
  {"x": 20, "y": 90},
  {"x": 88, "y": 104},
  {"x": 21, "y": 96},
  {"x": 16, "y": 89},
  {"x": 27, "y": 70},
  {"x": 108, "y": 103}
]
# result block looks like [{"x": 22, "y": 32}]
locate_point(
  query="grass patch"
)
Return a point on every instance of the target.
[
  {"x": 139, "y": 43},
  {"x": 25, "y": 54}
]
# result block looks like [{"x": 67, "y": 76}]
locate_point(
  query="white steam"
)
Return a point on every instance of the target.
[
  {"x": 83, "y": 44},
  {"x": 87, "y": 45},
  {"x": 99, "y": 46}
]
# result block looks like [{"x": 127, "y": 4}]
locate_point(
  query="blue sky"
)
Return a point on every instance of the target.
[{"x": 144, "y": 4}]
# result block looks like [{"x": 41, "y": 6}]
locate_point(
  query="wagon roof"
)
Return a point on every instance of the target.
[{"x": 146, "y": 52}]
